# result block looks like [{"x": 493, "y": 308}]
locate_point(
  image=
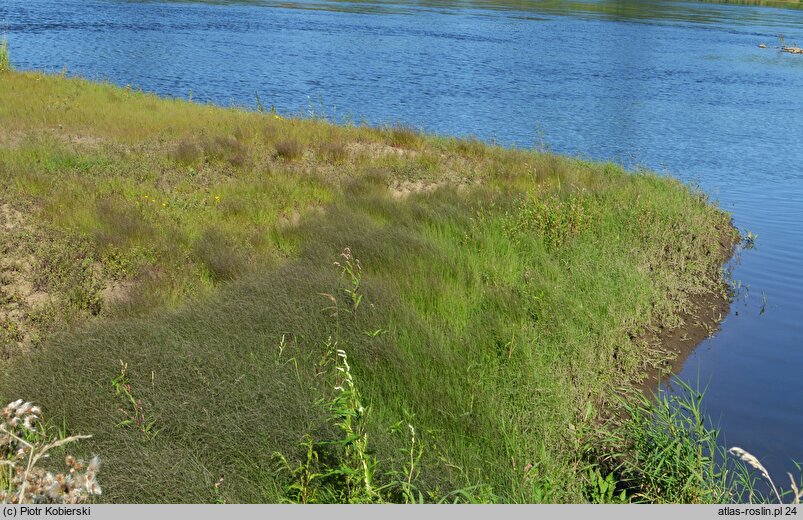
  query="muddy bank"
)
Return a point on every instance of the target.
[{"x": 701, "y": 321}]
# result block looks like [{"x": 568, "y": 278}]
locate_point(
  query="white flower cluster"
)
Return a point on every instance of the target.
[{"x": 23, "y": 445}]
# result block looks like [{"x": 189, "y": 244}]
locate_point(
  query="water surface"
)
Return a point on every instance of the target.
[{"x": 674, "y": 86}]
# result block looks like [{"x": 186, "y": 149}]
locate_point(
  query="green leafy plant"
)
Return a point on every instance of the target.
[
  {"x": 750, "y": 240},
  {"x": 555, "y": 219},
  {"x": 672, "y": 453},
  {"x": 352, "y": 269},
  {"x": 602, "y": 490},
  {"x": 410, "y": 471},
  {"x": 133, "y": 408},
  {"x": 357, "y": 465},
  {"x": 349, "y": 479}
]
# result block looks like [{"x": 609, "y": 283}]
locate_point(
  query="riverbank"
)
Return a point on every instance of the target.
[
  {"x": 496, "y": 308},
  {"x": 701, "y": 319}
]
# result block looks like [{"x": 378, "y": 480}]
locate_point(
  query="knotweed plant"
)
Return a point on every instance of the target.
[
  {"x": 24, "y": 446},
  {"x": 133, "y": 408},
  {"x": 344, "y": 469},
  {"x": 410, "y": 472},
  {"x": 350, "y": 478},
  {"x": 351, "y": 268},
  {"x": 357, "y": 466}
]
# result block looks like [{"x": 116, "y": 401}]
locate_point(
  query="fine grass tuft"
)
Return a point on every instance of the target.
[
  {"x": 188, "y": 152},
  {"x": 220, "y": 255},
  {"x": 334, "y": 152},
  {"x": 404, "y": 137},
  {"x": 289, "y": 149},
  {"x": 5, "y": 58}
]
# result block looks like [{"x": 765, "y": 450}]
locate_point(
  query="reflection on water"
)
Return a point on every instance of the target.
[{"x": 679, "y": 87}]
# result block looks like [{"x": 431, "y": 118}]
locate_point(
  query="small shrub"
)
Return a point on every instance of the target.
[
  {"x": 187, "y": 152},
  {"x": 333, "y": 151},
  {"x": 119, "y": 263},
  {"x": 289, "y": 149},
  {"x": 220, "y": 255},
  {"x": 555, "y": 219}
]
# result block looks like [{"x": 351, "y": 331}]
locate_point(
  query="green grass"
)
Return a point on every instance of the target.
[
  {"x": 500, "y": 294},
  {"x": 5, "y": 58},
  {"x": 666, "y": 450},
  {"x": 675, "y": 455}
]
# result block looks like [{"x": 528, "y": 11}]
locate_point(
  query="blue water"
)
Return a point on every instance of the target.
[{"x": 674, "y": 86}]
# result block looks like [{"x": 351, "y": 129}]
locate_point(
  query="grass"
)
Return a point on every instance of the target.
[
  {"x": 675, "y": 455},
  {"x": 666, "y": 450},
  {"x": 502, "y": 299},
  {"x": 5, "y": 58}
]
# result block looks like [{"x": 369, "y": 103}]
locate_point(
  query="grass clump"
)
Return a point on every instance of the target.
[
  {"x": 346, "y": 469},
  {"x": 334, "y": 152},
  {"x": 188, "y": 152},
  {"x": 289, "y": 149},
  {"x": 5, "y": 58},
  {"x": 402, "y": 136},
  {"x": 671, "y": 453},
  {"x": 675, "y": 456},
  {"x": 220, "y": 255}
]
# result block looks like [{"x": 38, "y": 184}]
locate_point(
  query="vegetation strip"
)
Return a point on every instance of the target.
[{"x": 243, "y": 307}]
